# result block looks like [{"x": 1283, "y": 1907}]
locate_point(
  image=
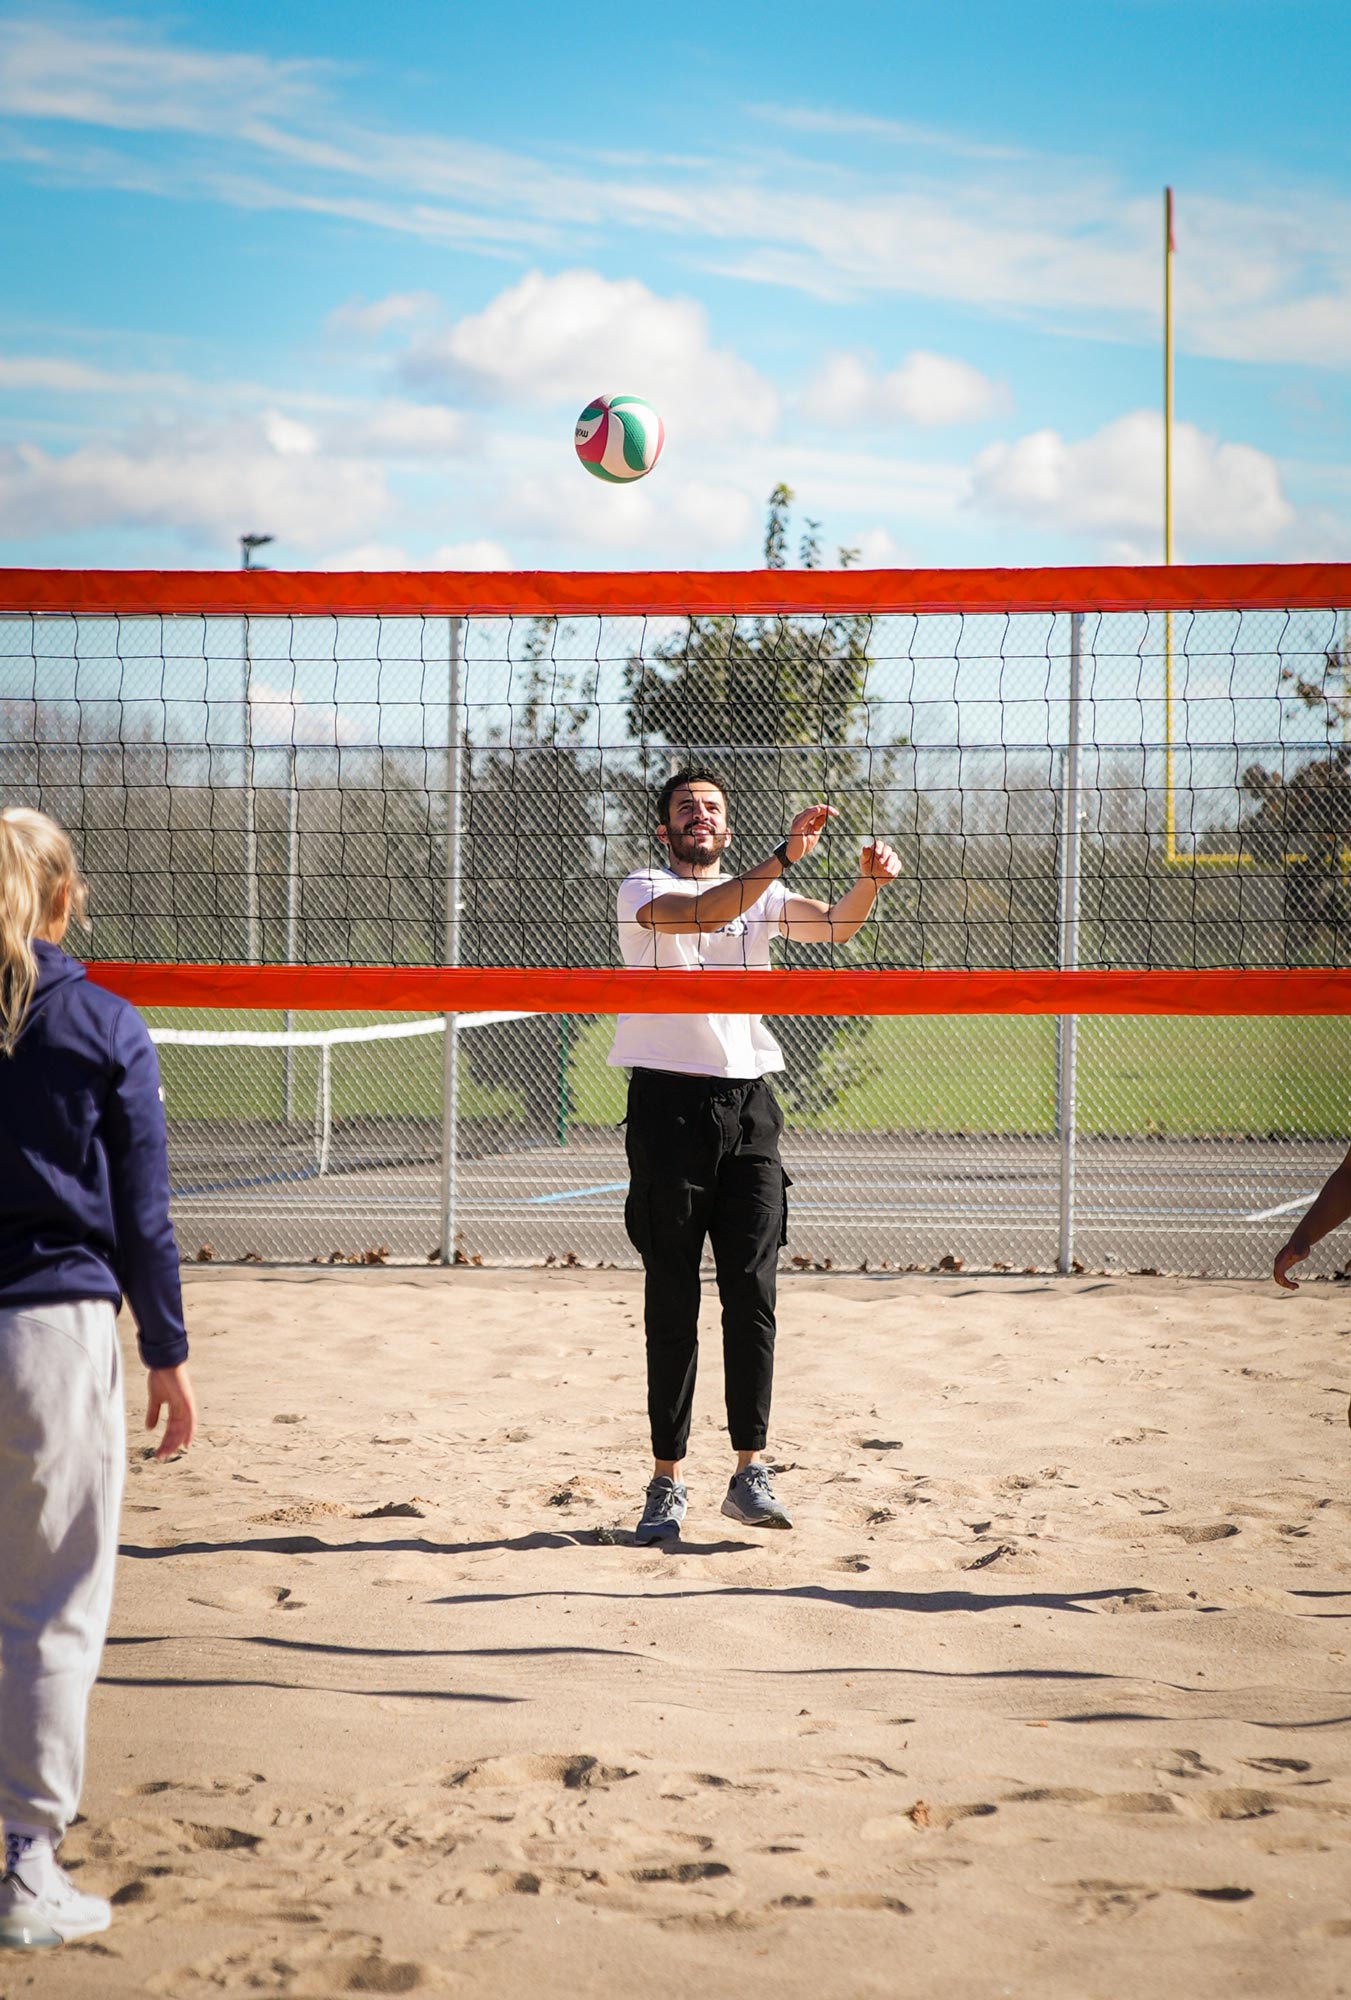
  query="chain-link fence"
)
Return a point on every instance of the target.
[{"x": 1118, "y": 790}]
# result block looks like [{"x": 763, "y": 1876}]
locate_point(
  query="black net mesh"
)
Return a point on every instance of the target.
[{"x": 276, "y": 789}]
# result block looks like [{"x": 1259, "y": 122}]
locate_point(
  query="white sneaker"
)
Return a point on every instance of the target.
[{"x": 40, "y": 1905}]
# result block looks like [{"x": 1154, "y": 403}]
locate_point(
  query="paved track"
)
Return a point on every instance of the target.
[{"x": 1203, "y": 1207}]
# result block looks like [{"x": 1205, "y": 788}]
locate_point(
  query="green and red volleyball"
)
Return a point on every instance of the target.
[{"x": 619, "y": 437}]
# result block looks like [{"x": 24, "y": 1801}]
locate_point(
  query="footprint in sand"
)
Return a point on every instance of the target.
[
  {"x": 1063, "y": 1795},
  {"x": 1183, "y": 1531},
  {"x": 1147, "y": 1600},
  {"x": 1107, "y": 1802},
  {"x": 342, "y": 1962},
  {"x": 503, "y": 1882},
  {"x": 989, "y": 1556},
  {"x": 681, "y": 1871},
  {"x": 1091, "y": 1900},
  {"x": 924, "y": 1816},
  {"x": 252, "y": 1597},
  {"x": 1187, "y": 1764},
  {"x": 686, "y": 1787},
  {"x": 576, "y": 1773},
  {"x": 237, "y": 1788},
  {"x": 1233, "y": 1802},
  {"x": 847, "y": 1900},
  {"x": 218, "y": 1839}
]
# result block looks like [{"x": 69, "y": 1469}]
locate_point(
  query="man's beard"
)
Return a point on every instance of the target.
[{"x": 697, "y": 848}]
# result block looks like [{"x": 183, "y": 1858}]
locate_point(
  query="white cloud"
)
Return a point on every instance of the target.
[
  {"x": 76, "y": 68},
  {"x": 877, "y": 549},
  {"x": 481, "y": 553},
  {"x": 363, "y": 319},
  {"x": 715, "y": 516},
  {"x": 928, "y": 390},
  {"x": 859, "y": 125},
  {"x": 155, "y": 389},
  {"x": 567, "y": 338},
  {"x": 1050, "y": 238},
  {"x": 649, "y": 517},
  {"x": 838, "y": 485},
  {"x": 400, "y": 430},
  {"x": 60, "y": 377},
  {"x": 370, "y": 555},
  {"x": 1226, "y": 496},
  {"x": 288, "y": 437},
  {"x": 204, "y": 486}
]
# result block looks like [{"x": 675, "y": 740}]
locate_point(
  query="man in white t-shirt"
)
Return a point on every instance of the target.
[{"x": 703, "y": 1125}]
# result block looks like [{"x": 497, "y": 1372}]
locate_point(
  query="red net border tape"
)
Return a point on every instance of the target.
[
  {"x": 555, "y": 990},
  {"x": 696, "y": 593}
]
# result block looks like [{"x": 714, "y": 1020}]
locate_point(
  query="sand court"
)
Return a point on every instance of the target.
[{"x": 1047, "y": 1694}]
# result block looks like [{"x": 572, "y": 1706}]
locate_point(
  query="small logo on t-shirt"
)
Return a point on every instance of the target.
[{"x": 737, "y": 928}]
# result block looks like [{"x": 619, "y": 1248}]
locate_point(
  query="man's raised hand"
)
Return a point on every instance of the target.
[
  {"x": 806, "y": 830},
  {"x": 878, "y": 862}
]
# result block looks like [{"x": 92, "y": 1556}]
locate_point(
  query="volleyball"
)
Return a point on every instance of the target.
[{"x": 619, "y": 437}]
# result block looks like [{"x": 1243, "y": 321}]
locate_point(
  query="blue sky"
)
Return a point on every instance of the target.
[{"x": 348, "y": 280}]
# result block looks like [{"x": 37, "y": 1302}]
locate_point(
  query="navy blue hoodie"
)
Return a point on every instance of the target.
[{"x": 84, "y": 1163}]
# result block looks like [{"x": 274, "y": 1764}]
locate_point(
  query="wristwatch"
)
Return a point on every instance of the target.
[{"x": 781, "y": 855}]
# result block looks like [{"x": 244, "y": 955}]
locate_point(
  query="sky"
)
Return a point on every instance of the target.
[{"x": 346, "y": 276}]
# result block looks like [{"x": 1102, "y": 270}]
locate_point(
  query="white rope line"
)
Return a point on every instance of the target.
[{"x": 320, "y": 1038}]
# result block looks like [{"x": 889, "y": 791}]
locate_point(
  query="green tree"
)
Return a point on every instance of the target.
[
  {"x": 1302, "y": 825},
  {"x": 1302, "y": 821},
  {"x": 777, "y": 703}
]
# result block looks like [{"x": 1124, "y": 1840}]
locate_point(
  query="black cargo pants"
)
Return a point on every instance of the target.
[{"x": 704, "y": 1163}]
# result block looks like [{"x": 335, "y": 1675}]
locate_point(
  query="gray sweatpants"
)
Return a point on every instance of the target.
[{"x": 62, "y": 1465}]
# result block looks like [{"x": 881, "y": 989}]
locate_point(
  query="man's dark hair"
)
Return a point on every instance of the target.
[{"x": 693, "y": 774}]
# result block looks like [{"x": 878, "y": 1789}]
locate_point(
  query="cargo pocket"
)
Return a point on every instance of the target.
[
  {"x": 638, "y": 1211},
  {"x": 783, "y": 1226}
]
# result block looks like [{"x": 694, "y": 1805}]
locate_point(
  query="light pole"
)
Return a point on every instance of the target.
[{"x": 247, "y": 545}]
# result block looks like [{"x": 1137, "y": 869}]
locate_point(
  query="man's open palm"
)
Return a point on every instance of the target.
[{"x": 806, "y": 830}]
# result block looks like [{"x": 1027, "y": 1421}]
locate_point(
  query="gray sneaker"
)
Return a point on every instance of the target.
[
  {"x": 663, "y": 1511},
  {"x": 750, "y": 1500}
]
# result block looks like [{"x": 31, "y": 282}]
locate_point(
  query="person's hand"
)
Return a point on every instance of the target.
[
  {"x": 878, "y": 862},
  {"x": 1293, "y": 1252},
  {"x": 806, "y": 830},
  {"x": 170, "y": 1390}
]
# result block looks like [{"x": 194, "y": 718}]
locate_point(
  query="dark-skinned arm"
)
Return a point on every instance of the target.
[{"x": 1330, "y": 1208}]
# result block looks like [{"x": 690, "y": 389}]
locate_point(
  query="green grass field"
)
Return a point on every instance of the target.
[{"x": 1174, "y": 1077}]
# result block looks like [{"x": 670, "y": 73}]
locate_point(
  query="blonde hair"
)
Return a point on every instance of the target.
[{"x": 38, "y": 872}]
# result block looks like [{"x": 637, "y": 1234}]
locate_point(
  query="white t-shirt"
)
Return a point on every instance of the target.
[{"x": 733, "y": 1045}]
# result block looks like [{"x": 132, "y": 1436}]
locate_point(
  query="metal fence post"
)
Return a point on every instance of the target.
[
  {"x": 450, "y": 946},
  {"x": 292, "y": 926},
  {"x": 252, "y": 914},
  {"x": 1067, "y": 1025},
  {"x": 561, "y": 1121},
  {"x": 325, "y": 1105}
]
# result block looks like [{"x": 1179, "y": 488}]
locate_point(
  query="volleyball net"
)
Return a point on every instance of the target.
[{"x": 310, "y": 805}]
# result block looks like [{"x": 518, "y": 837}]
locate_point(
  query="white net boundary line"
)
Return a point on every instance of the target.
[
  {"x": 325, "y": 1040},
  {"x": 321, "y": 1038}
]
